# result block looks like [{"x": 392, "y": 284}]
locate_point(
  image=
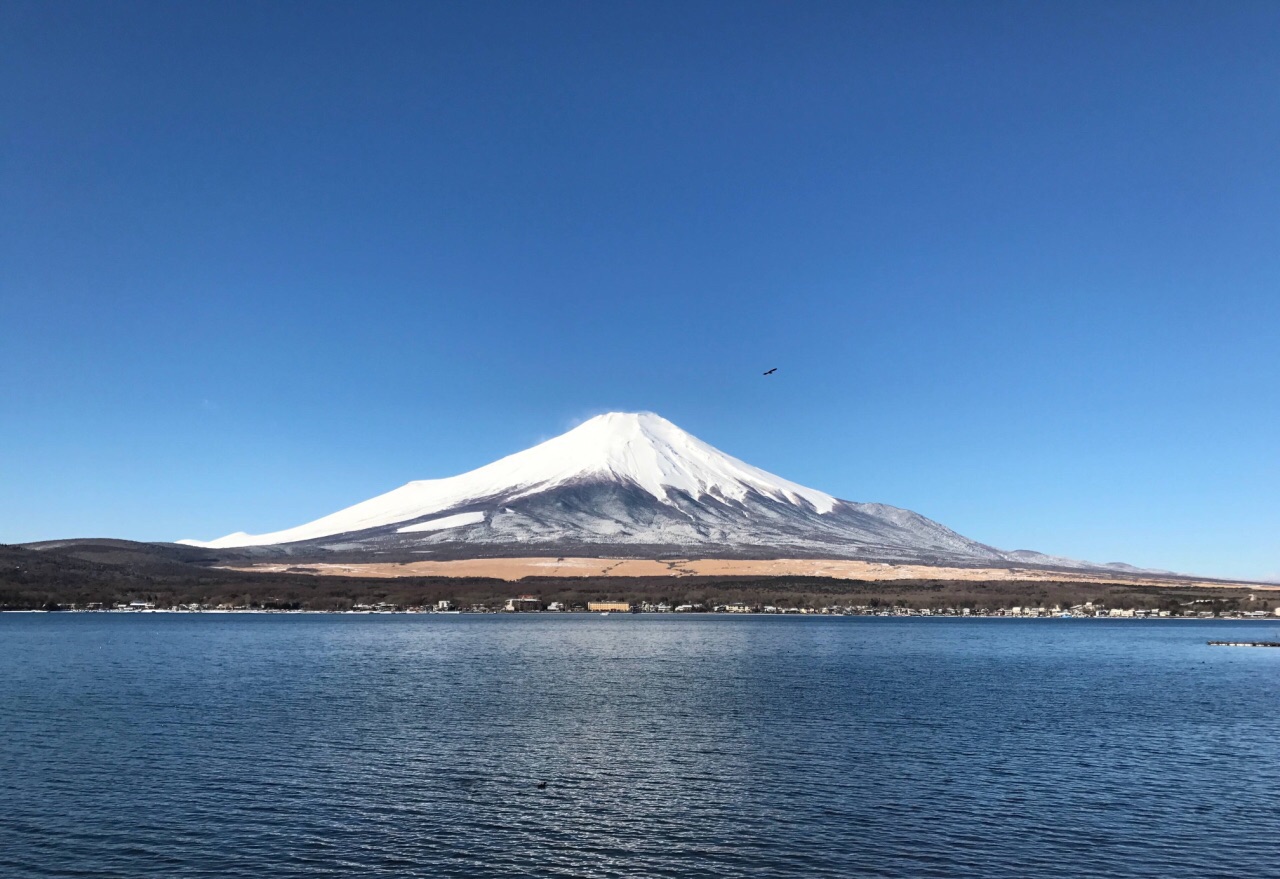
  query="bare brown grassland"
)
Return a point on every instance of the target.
[{"x": 512, "y": 569}]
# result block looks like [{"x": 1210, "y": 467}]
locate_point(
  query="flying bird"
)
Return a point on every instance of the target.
[{"x": 772, "y": 371}]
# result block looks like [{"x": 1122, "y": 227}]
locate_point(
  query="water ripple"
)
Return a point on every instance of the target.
[{"x": 316, "y": 746}]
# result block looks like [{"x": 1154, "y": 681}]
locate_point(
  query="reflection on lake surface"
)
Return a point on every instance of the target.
[{"x": 300, "y": 746}]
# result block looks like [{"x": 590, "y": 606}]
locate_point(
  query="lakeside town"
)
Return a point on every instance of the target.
[{"x": 532, "y": 604}]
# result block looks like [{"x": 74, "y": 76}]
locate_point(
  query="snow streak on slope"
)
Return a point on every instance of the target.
[
  {"x": 440, "y": 524},
  {"x": 642, "y": 450}
]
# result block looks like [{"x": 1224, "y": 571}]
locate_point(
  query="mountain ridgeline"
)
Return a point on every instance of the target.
[{"x": 627, "y": 485}]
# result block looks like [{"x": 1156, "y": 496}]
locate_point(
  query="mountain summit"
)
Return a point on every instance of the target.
[
  {"x": 628, "y": 484},
  {"x": 636, "y": 449}
]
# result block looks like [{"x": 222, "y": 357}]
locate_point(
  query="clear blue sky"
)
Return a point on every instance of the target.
[{"x": 1018, "y": 264}]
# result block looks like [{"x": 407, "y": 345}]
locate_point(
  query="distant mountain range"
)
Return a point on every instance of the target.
[{"x": 628, "y": 485}]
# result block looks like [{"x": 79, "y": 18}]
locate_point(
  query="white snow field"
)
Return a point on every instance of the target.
[{"x": 443, "y": 523}]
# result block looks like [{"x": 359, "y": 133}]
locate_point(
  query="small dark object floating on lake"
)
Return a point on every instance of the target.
[{"x": 1244, "y": 643}]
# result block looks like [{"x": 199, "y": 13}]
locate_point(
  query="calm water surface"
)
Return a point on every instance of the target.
[{"x": 309, "y": 746}]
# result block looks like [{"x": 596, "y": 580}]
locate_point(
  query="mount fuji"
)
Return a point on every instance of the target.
[{"x": 629, "y": 485}]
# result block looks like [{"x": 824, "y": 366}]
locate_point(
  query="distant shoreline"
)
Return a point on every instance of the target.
[
  {"x": 110, "y": 574},
  {"x": 809, "y": 614}
]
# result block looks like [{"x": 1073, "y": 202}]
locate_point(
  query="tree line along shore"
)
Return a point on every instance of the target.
[{"x": 110, "y": 574}]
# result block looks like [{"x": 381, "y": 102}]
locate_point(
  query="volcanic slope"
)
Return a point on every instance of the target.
[{"x": 630, "y": 485}]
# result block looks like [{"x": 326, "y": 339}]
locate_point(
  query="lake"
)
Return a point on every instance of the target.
[{"x": 256, "y": 745}]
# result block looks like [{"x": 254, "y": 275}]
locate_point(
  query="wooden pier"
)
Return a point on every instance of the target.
[{"x": 1244, "y": 643}]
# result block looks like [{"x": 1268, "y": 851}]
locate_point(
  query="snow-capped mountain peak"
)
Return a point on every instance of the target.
[
  {"x": 641, "y": 450},
  {"x": 624, "y": 484},
  {"x": 651, "y": 452}
]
